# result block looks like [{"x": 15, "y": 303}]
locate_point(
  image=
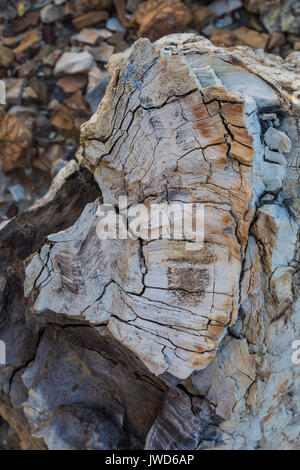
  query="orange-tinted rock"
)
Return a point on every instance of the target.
[{"x": 157, "y": 18}]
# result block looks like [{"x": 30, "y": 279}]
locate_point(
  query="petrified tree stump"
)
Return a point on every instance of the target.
[{"x": 116, "y": 325}]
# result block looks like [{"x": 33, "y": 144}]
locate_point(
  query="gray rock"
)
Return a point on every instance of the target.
[
  {"x": 17, "y": 191},
  {"x": 268, "y": 117},
  {"x": 74, "y": 62},
  {"x": 278, "y": 140},
  {"x": 113, "y": 24},
  {"x": 274, "y": 157},
  {"x": 50, "y": 13},
  {"x": 221, "y": 7}
]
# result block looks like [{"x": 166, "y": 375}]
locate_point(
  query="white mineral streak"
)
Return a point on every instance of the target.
[{"x": 179, "y": 122}]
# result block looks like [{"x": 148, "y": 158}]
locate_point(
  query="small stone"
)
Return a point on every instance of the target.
[
  {"x": 31, "y": 38},
  {"x": 28, "y": 69},
  {"x": 280, "y": 16},
  {"x": 52, "y": 58},
  {"x": 86, "y": 36},
  {"x": 17, "y": 191},
  {"x": 6, "y": 57},
  {"x": 117, "y": 40},
  {"x": 51, "y": 13},
  {"x": 268, "y": 117},
  {"x": 222, "y": 37},
  {"x": 90, "y": 18},
  {"x": 200, "y": 16},
  {"x": 113, "y": 24},
  {"x": 70, "y": 83},
  {"x": 22, "y": 7},
  {"x": 15, "y": 139},
  {"x": 53, "y": 104},
  {"x": 12, "y": 41},
  {"x": 23, "y": 110},
  {"x": 157, "y": 18},
  {"x": 103, "y": 33},
  {"x": 276, "y": 40},
  {"x": 278, "y": 140},
  {"x": 251, "y": 38},
  {"x": 221, "y": 7},
  {"x": 21, "y": 24},
  {"x": 296, "y": 46},
  {"x": 74, "y": 63},
  {"x": 224, "y": 22},
  {"x": 102, "y": 53},
  {"x": 14, "y": 88}
]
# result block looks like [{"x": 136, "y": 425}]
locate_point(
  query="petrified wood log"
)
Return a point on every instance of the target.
[{"x": 136, "y": 342}]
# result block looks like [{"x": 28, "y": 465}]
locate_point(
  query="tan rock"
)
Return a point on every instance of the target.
[
  {"x": 74, "y": 63},
  {"x": 276, "y": 40},
  {"x": 14, "y": 87},
  {"x": 6, "y": 56},
  {"x": 72, "y": 83},
  {"x": 31, "y": 39},
  {"x": 251, "y": 38},
  {"x": 200, "y": 16},
  {"x": 156, "y": 18},
  {"x": 90, "y": 18},
  {"x": 15, "y": 139},
  {"x": 87, "y": 36}
]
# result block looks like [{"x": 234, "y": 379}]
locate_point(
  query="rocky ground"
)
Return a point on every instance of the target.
[{"x": 53, "y": 60}]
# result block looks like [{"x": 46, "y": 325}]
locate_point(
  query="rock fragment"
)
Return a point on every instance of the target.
[
  {"x": 74, "y": 63},
  {"x": 278, "y": 140}
]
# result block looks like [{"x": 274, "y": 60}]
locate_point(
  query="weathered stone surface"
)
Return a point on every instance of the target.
[
  {"x": 183, "y": 423},
  {"x": 185, "y": 121}
]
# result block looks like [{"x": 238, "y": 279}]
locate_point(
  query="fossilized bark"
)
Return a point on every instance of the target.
[{"x": 182, "y": 121}]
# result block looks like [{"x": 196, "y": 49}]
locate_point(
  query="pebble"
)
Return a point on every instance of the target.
[
  {"x": 74, "y": 62},
  {"x": 18, "y": 193},
  {"x": 50, "y": 14},
  {"x": 113, "y": 24}
]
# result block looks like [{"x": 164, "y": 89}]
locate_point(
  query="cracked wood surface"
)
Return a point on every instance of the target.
[
  {"x": 158, "y": 136},
  {"x": 116, "y": 325}
]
